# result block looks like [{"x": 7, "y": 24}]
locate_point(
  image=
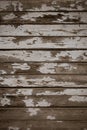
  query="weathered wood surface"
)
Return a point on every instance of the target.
[
  {"x": 43, "y": 56},
  {"x": 42, "y": 125},
  {"x": 43, "y": 92},
  {"x": 43, "y": 17},
  {"x": 46, "y": 97},
  {"x": 43, "y": 101},
  {"x": 43, "y": 30},
  {"x": 44, "y": 114},
  {"x": 43, "y": 42},
  {"x": 43, "y": 68},
  {"x": 43, "y": 80},
  {"x": 43, "y": 5}
]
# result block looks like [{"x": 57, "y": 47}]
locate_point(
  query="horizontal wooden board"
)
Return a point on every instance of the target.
[
  {"x": 43, "y": 56},
  {"x": 43, "y": 42},
  {"x": 43, "y": 125},
  {"x": 43, "y": 101},
  {"x": 42, "y": 5},
  {"x": 43, "y": 17},
  {"x": 43, "y": 91},
  {"x": 43, "y": 30},
  {"x": 43, "y": 68},
  {"x": 43, "y": 80},
  {"x": 43, "y": 114}
]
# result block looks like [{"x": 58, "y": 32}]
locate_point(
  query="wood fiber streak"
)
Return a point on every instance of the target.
[
  {"x": 43, "y": 42},
  {"x": 43, "y": 114},
  {"x": 43, "y": 5},
  {"x": 43, "y": 17},
  {"x": 43, "y": 30},
  {"x": 43, "y": 81},
  {"x": 41, "y": 125},
  {"x": 43, "y": 68}
]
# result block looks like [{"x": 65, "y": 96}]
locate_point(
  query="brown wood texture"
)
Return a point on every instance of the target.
[
  {"x": 43, "y": 56},
  {"x": 54, "y": 42},
  {"x": 43, "y": 5},
  {"x": 43, "y": 81},
  {"x": 43, "y": 17},
  {"x": 41, "y": 125},
  {"x": 43, "y": 68},
  {"x": 43, "y": 30},
  {"x": 43, "y": 114},
  {"x": 43, "y": 65}
]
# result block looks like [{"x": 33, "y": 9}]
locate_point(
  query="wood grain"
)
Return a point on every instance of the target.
[
  {"x": 43, "y": 56},
  {"x": 46, "y": 91},
  {"x": 43, "y": 101},
  {"x": 59, "y": 114},
  {"x": 26, "y": 42},
  {"x": 43, "y": 17},
  {"x": 43, "y": 30},
  {"x": 43, "y": 5},
  {"x": 43, "y": 68},
  {"x": 41, "y": 125},
  {"x": 43, "y": 81}
]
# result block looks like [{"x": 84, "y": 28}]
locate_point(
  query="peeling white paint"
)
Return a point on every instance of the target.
[
  {"x": 33, "y": 111},
  {"x": 43, "y": 56},
  {"x": 43, "y": 30},
  {"x": 9, "y": 16},
  {"x": 65, "y": 92},
  {"x": 28, "y": 102},
  {"x": 22, "y": 66},
  {"x": 47, "y": 68},
  {"x": 3, "y": 72},
  {"x": 26, "y": 92},
  {"x": 34, "y": 82},
  {"x": 5, "y": 101},
  {"x": 43, "y": 103},
  {"x": 38, "y": 42},
  {"x": 51, "y": 117},
  {"x": 78, "y": 99},
  {"x": 13, "y": 128},
  {"x": 67, "y": 66}
]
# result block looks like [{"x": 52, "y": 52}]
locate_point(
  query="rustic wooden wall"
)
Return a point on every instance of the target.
[{"x": 43, "y": 65}]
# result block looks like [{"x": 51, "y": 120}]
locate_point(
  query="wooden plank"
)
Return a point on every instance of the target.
[
  {"x": 44, "y": 114},
  {"x": 43, "y": 42},
  {"x": 43, "y": 92},
  {"x": 43, "y": 81},
  {"x": 43, "y": 101},
  {"x": 43, "y": 56},
  {"x": 43, "y": 30},
  {"x": 42, "y": 5},
  {"x": 43, "y": 17},
  {"x": 43, "y": 68},
  {"x": 43, "y": 125}
]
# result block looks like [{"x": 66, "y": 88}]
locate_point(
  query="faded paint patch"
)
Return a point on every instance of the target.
[
  {"x": 24, "y": 92},
  {"x": 28, "y": 102},
  {"x": 51, "y": 117},
  {"x": 43, "y": 103},
  {"x": 9, "y": 16},
  {"x": 3, "y": 72},
  {"x": 65, "y": 92},
  {"x": 21, "y": 66},
  {"x": 47, "y": 68},
  {"x": 13, "y": 128},
  {"x": 33, "y": 111},
  {"x": 67, "y": 66},
  {"x": 5, "y": 101},
  {"x": 78, "y": 99}
]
